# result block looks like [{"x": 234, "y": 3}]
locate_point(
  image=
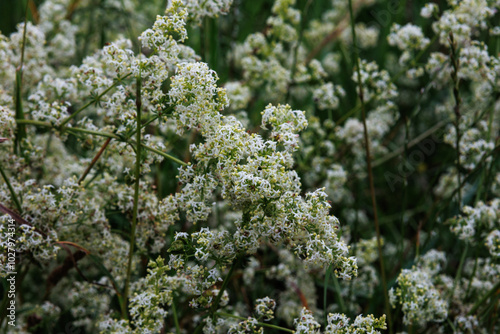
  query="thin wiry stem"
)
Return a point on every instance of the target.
[
  {"x": 325, "y": 289},
  {"x": 299, "y": 41},
  {"x": 176, "y": 319},
  {"x": 410, "y": 144},
  {"x": 166, "y": 155},
  {"x": 103, "y": 134},
  {"x": 339, "y": 295},
  {"x": 35, "y": 16},
  {"x": 370, "y": 172},
  {"x": 471, "y": 278},
  {"x": 456, "y": 93},
  {"x": 490, "y": 293},
  {"x": 138, "y": 103},
  {"x": 11, "y": 190},
  {"x": 93, "y": 162},
  {"x": 459, "y": 271},
  {"x": 92, "y": 132},
  {"x": 215, "y": 305},
  {"x": 117, "y": 81},
  {"x": 405, "y": 190},
  {"x": 263, "y": 324},
  {"x": 21, "y": 129}
]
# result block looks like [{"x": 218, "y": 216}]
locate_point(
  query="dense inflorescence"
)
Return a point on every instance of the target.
[{"x": 224, "y": 167}]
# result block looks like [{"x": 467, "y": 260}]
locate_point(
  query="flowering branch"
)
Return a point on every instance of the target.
[
  {"x": 103, "y": 134},
  {"x": 94, "y": 100}
]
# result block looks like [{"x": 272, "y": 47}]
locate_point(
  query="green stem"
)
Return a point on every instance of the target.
[
  {"x": 168, "y": 156},
  {"x": 117, "y": 81},
  {"x": 484, "y": 298},
  {"x": 149, "y": 121},
  {"x": 348, "y": 114},
  {"x": 92, "y": 132},
  {"x": 130, "y": 29},
  {"x": 410, "y": 144},
  {"x": 176, "y": 319},
  {"x": 103, "y": 134},
  {"x": 49, "y": 125},
  {"x": 339, "y": 296},
  {"x": 12, "y": 192},
  {"x": 33, "y": 122},
  {"x": 370, "y": 172},
  {"x": 215, "y": 305},
  {"x": 228, "y": 315},
  {"x": 299, "y": 41},
  {"x": 405, "y": 190},
  {"x": 417, "y": 57},
  {"x": 456, "y": 93},
  {"x": 472, "y": 275},
  {"x": 459, "y": 271},
  {"x": 136, "y": 194},
  {"x": 451, "y": 325},
  {"x": 21, "y": 129},
  {"x": 325, "y": 289}
]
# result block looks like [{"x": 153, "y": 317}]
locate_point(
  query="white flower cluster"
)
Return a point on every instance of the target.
[
  {"x": 493, "y": 243},
  {"x": 327, "y": 96},
  {"x": 466, "y": 324},
  {"x": 481, "y": 221},
  {"x": 253, "y": 173},
  {"x": 152, "y": 295},
  {"x": 464, "y": 19},
  {"x": 379, "y": 91},
  {"x": 239, "y": 95},
  {"x": 420, "y": 300},
  {"x": 270, "y": 59},
  {"x": 366, "y": 37},
  {"x": 473, "y": 144},
  {"x": 365, "y": 283},
  {"x": 376, "y": 84},
  {"x": 250, "y": 326},
  {"x": 264, "y": 308},
  {"x": 340, "y": 324},
  {"x": 484, "y": 275},
  {"x": 35, "y": 62},
  {"x": 336, "y": 178},
  {"x": 62, "y": 45},
  {"x": 87, "y": 300},
  {"x": 409, "y": 39},
  {"x": 199, "y": 9},
  {"x": 429, "y": 10},
  {"x": 306, "y": 323},
  {"x": 7, "y": 118},
  {"x": 27, "y": 239}
]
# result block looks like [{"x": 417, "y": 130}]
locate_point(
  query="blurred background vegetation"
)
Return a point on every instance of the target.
[{"x": 213, "y": 40}]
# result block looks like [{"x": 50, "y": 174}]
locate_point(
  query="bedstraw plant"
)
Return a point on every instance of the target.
[{"x": 225, "y": 166}]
